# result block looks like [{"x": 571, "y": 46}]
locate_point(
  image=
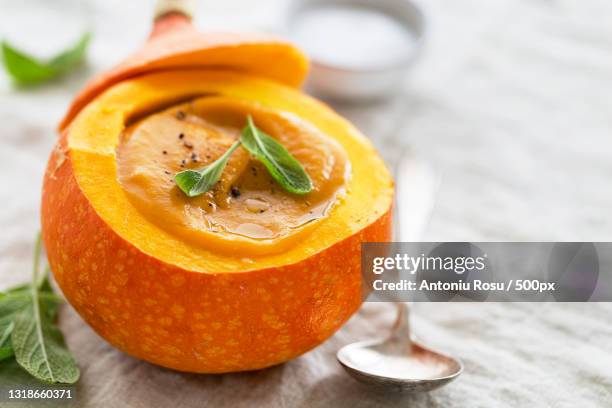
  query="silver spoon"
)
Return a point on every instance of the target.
[{"x": 400, "y": 362}]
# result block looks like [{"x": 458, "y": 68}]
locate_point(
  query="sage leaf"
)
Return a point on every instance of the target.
[
  {"x": 10, "y": 305},
  {"x": 196, "y": 182},
  {"x": 6, "y": 352},
  {"x": 11, "y": 302},
  {"x": 16, "y": 290},
  {"x": 283, "y": 167},
  {"x": 6, "y": 349},
  {"x": 25, "y": 69},
  {"x": 40, "y": 348},
  {"x": 37, "y": 342}
]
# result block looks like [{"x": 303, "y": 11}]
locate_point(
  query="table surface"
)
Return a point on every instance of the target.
[{"x": 510, "y": 103}]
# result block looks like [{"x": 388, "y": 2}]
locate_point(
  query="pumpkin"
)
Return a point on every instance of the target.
[{"x": 218, "y": 305}]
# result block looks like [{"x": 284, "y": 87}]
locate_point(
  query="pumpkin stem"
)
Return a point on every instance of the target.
[{"x": 171, "y": 15}]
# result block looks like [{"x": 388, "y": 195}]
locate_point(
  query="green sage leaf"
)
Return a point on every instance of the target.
[
  {"x": 283, "y": 167},
  {"x": 6, "y": 348},
  {"x": 40, "y": 348},
  {"x": 196, "y": 182},
  {"x": 6, "y": 352},
  {"x": 10, "y": 305},
  {"x": 25, "y": 69},
  {"x": 37, "y": 342}
]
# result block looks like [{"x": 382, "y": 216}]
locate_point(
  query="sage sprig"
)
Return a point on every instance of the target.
[
  {"x": 29, "y": 333},
  {"x": 282, "y": 166},
  {"x": 25, "y": 69},
  {"x": 196, "y": 182}
]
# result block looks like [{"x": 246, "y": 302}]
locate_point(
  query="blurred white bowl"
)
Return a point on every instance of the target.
[{"x": 354, "y": 79}]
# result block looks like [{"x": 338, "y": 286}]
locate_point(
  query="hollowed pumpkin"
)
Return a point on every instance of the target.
[{"x": 215, "y": 303}]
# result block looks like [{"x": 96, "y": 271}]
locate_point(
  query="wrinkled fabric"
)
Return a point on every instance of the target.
[{"x": 510, "y": 102}]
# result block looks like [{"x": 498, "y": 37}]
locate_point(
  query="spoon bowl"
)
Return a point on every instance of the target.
[
  {"x": 399, "y": 362},
  {"x": 421, "y": 369}
]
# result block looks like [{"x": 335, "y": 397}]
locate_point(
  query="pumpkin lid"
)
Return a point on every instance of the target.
[{"x": 175, "y": 44}]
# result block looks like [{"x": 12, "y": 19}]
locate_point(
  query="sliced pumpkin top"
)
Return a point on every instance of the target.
[
  {"x": 101, "y": 133},
  {"x": 176, "y": 44},
  {"x": 247, "y": 210}
]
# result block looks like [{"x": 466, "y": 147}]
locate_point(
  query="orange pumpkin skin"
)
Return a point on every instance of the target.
[{"x": 193, "y": 321}]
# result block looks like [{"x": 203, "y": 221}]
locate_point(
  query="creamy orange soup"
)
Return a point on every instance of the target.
[{"x": 247, "y": 209}]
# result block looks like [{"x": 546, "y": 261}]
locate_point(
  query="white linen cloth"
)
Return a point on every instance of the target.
[{"x": 511, "y": 102}]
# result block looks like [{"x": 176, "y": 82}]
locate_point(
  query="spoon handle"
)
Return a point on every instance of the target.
[
  {"x": 401, "y": 327},
  {"x": 417, "y": 185}
]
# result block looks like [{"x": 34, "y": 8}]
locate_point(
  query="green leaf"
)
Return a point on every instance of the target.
[
  {"x": 23, "y": 68},
  {"x": 10, "y": 306},
  {"x": 5, "y": 334},
  {"x": 40, "y": 348},
  {"x": 6, "y": 348},
  {"x": 283, "y": 167},
  {"x": 26, "y": 69},
  {"x": 6, "y": 352},
  {"x": 37, "y": 342},
  {"x": 196, "y": 182},
  {"x": 12, "y": 303},
  {"x": 25, "y": 287}
]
